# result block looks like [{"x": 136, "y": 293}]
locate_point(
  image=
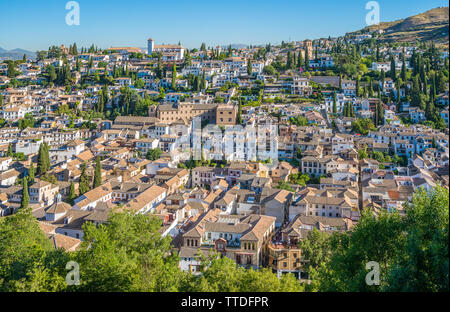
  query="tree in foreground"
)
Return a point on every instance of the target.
[
  {"x": 423, "y": 265},
  {"x": 28, "y": 261},
  {"x": 127, "y": 254},
  {"x": 222, "y": 275},
  {"x": 412, "y": 251}
]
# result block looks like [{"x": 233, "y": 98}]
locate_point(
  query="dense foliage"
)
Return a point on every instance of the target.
[
  {"x": 412, "y": 251},
  {"x": 126, "y": 254}
]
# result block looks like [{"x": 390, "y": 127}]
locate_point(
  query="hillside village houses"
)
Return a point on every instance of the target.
[{"x": 253, "y": 210}]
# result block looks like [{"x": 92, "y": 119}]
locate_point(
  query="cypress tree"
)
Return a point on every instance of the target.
[
  {"x": 300, "y": 60},
  {"x": 174, "y": 77},
  {"x": 357, "y": 86},
  {"x": 380, "y": 112},
  {"x": 25, "y": 197},
  {"x": 375, "y": 116},
  {"x": 425, "y": 87},
  {"x": 399, "y": 86},
  {"x": 403, "y": 72},
  {"x": 84, "y": 180},
  {"x": 334, "y": 103},
  {"x": 429, "y": 110},
  {"x": 9, "y": 153},
  {"x": 197, "y": 83},
  {"x": 47, "y": 156},
  {"x": 307, "y": 59},
  {"x": 393, "y": 74},
  {"x": 423, "y": 76},
  {"x": 97, "y": 173},
  {"x": 203, "y": 82},
  {"x": 72, "y": 195},
  {"x": 289, "y": 61},
  {"x": 31, "y": 174},
  {"x": 433, "y": 88},
  {"x": 239, "y": 115},
  {"x": 43, "y": 159}
]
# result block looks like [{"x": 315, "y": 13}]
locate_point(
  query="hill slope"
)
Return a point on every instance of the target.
[{"x": 430, "y": 25}]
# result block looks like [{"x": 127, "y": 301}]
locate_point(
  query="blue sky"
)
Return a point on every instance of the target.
[{"x": 35, "y": 25}]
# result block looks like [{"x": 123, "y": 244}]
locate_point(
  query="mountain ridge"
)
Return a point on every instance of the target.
[
  {"x": 15, "y": 54},
  {"x": 429, "y": 25}
]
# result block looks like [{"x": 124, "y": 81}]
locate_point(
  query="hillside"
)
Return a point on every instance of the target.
[{"x": 430, "y": 25}]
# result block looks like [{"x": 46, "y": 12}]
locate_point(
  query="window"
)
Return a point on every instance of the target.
[{"x": 285, "y": 264}]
